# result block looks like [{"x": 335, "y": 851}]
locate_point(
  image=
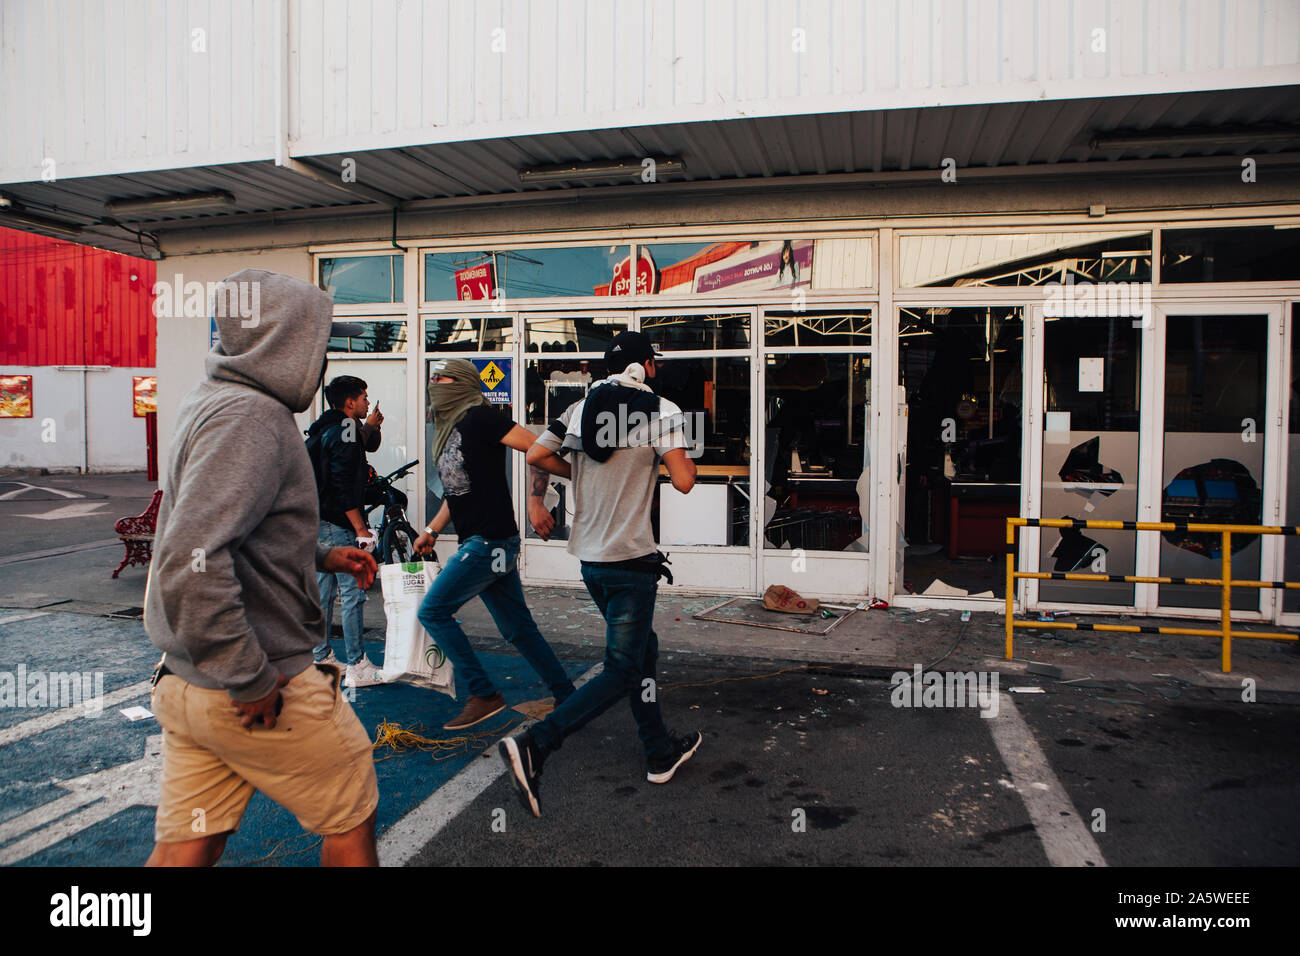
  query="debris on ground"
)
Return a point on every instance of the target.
[{"x": 778, "y": 597}]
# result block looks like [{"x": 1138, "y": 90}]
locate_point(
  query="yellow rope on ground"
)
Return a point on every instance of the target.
[
  {"x": 402, "y": 740},
  {"x": 272, "y": 855}
]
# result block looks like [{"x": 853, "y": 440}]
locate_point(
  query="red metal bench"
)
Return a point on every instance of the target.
[{"x": 137, "y": 534}]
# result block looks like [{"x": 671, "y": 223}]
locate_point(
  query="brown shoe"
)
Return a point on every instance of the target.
[{"x": 477, "y": 710}]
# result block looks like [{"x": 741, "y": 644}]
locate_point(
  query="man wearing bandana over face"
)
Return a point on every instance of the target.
[{"x": 469, "y": 450}]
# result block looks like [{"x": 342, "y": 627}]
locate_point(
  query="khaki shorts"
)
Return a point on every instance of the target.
[{"x": 316, "y": 762}]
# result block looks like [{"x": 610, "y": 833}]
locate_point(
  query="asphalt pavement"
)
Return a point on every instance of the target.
[{"x": 1094, "y": 750}]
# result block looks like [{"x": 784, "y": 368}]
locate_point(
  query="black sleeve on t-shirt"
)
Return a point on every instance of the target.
[
  {"x": 484, "y": 507},
  {"x": 496, "y": 424}
]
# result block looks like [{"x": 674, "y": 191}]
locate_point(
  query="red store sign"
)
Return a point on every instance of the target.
[
  {"x": 647, "y": 276},
  {"x": 476, "y": 282}
]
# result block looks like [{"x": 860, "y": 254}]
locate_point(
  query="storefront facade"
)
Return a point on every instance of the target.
[
  {"x": 914, "y": 268},
  {"x": 866, "y": 396}
]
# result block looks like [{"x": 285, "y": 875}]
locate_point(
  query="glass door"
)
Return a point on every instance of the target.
[
  {"x": 707, "y": 371},
  {"x": 813, "y": 497},
  {"x": 961, "y": 368},
  {"x": 1290, "y": 600},
  {"x": 1088, "y": 456},
  {"x": 563, "y": 356},
  {"x": 488, "y": 341},
  {"x": 1218, "y": 408}
]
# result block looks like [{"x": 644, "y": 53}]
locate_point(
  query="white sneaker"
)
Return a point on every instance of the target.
[
  {"x": 331, "y": 659},
  {"x": 362, "y": 674}
]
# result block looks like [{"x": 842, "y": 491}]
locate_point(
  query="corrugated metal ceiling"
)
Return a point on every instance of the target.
[{"x": 1004, "y": 134}]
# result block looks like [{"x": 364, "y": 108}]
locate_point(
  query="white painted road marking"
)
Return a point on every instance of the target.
[
  {"x": 1065, "y": 837},
  {"x": 27, "y": 615},
  {"x": 19, "y": 492},
  {"x": 93, "y": 797},
  {"x": 10, "y": 735},
  {"x": 409, "y": 835},
  {"x": 78, "y": 510}
]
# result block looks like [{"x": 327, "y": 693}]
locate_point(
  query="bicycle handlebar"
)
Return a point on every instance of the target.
[{"x": 401, "y": 471}]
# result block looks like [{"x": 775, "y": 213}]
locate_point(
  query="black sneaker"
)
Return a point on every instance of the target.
[
  {"x": 524, "y": 762},
  {"x": 662, "y": 768}
]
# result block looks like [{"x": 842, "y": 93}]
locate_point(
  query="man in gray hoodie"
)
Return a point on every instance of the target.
[{"x": 233, "y": 602}]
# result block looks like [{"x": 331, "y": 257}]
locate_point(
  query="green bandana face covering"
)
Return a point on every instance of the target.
[{"x": 451, "y": 400}]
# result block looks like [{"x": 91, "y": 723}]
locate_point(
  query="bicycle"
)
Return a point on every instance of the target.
[{"x": 395, "y": 534}]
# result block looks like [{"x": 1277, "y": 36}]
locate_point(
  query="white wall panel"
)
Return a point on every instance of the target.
[
  {"x": 626, "y": 27},
  {"x": 602, "y": 65},
  {"x": 56, "y": 398},
  {"x": 114, "y": 85},
  {"x": 410, "y": 31},
  {"x": 460, "y": 56},
  {"x": 753, "y": 77},
  {"x": 1285, "y": 33},
  {"x": 245, "y": 83},
  {"x": 478, "y": 90},
  {"x": 335, "y": 68},
  {"x": 432, "y": 81},
  {"x": 544, "y": 29},
  {"x": 101, "y": 429},
  {"x": 384, "y": 67},
  {"x": 117, "y": 440},
  {"x": 519, "y": 20},
  {"x": 660, "y": 68},
  {"x": 359, "y": 93}
]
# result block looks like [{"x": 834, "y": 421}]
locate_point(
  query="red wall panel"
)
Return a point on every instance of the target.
[{"x": 67, "y": 304}]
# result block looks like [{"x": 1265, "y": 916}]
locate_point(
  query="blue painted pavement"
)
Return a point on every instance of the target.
[{"x": 44, "y": 767}]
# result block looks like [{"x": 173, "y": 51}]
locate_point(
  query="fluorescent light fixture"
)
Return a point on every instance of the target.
[
  {"x": 66, "y": 230},
  {"x": 175, "y": 202},
  {"x": 1195, "y": 136},
  {"x": 630, "y": 169}
]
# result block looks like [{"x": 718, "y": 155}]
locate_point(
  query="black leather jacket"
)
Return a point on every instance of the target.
[{"x": 340, "y": 466}]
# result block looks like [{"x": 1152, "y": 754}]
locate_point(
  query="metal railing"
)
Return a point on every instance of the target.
[{"x": 1225, "y": 582}]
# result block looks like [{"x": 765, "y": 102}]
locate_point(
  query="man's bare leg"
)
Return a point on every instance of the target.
[
  {"x": 354, "y": 848},
  {"x": 202, "y": 851}
]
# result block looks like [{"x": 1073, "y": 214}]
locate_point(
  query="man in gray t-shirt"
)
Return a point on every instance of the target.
[
  {"x": 612, "y": 499},
  {"x": 613, "y": 441}
]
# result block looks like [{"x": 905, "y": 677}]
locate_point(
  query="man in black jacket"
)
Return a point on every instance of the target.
[{"x": 337, "y": 443}]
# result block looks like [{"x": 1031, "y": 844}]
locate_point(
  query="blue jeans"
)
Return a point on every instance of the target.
[
  {"x": 353, "y": 600},
  {"x": 627, "y": 601},
  {"x": 489, "y": 569}
]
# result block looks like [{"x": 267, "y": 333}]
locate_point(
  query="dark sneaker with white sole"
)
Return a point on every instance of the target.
[
  {"x": 524, "y": 762},
  {"x": 661, "y": 769}
]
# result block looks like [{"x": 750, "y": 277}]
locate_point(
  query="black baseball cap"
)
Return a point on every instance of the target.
[{"x": 629, "y": 347}]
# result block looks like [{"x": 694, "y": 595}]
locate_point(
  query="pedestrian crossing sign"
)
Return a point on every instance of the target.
[
  {"x": 494, "y": 374},
  {"x": 491, "y": 375}
]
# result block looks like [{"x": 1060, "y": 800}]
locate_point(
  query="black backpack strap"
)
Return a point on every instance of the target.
[{"x": 316, "y": 445}]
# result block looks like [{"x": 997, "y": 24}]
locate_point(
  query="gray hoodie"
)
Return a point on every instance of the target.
[{"x": 232, "y": 596}]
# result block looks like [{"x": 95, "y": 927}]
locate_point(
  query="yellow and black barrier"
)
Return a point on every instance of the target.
[{"x": 1225, "y": 583}]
